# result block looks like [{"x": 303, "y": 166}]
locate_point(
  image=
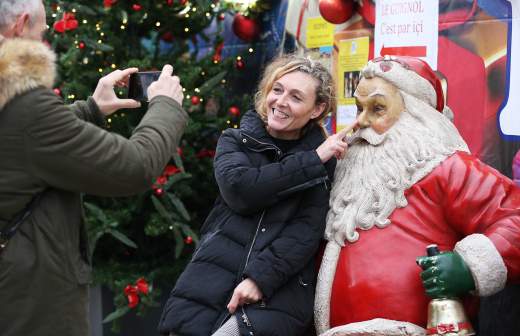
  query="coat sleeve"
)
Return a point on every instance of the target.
[
  {"x": 484, "y": 207},
  {"x": 69, "y": 153},
  {"x": 294, "y": 247},
  {"x": 247, "y": 189},
  {"x": 89, "y": 111}
]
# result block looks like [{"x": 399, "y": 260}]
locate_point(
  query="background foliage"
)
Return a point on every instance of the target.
[{"x": 151, "y": 236}]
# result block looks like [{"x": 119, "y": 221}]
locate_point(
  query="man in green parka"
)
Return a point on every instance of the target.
[{"x": 58, "y": 152}]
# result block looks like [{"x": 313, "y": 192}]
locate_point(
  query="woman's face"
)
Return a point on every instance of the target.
[{"x": 291, "y": 104}]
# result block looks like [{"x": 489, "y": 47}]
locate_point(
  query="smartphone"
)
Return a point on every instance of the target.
[{"x": 139, "y": 83}]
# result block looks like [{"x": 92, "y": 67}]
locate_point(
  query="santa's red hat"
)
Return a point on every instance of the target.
[{"x": 411, "y": 75}]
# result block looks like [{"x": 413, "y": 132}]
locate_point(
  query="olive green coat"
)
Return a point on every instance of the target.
[{"x": 45, "y": 145}]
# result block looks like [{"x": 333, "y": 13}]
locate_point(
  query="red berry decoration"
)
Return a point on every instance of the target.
[
  {"x": 245, "y": 28},
  {"x": 234, "y": 111},
  {"x": 137, "y": 7},
  {"x": 239, "y": 64},
  {"x": 221, "y": 17},
  {"x": 188, "y": 240},
  {"x": 57, "y": 91},
  {"x": 195, "y": 100},
  {"x": 169, "y": 2},
  {"x": 336, "y": 11},
  {"x": 81, "y": 45}
]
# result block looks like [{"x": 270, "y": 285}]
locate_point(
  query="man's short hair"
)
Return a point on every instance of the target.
[{"x": 11, "y": 9}]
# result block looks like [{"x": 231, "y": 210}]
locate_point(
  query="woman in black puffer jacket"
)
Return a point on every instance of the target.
[{"x": 253, "y": 272}]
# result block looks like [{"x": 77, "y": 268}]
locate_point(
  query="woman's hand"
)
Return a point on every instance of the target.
[
  {"x": 335, "y": 145},
  {"x": 245, "y": 293}
]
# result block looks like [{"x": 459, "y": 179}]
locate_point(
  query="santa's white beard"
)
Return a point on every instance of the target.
[{"x": 370, "y": 182}]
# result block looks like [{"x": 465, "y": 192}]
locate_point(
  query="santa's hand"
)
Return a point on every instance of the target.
[
  {"x": 335, "y": 145},
  {"x": 445, "y": 275},
  {"x": 245, "y": 293}
]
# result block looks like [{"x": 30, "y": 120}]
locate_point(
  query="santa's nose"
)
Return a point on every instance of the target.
[{"x": 363, "y": 121}]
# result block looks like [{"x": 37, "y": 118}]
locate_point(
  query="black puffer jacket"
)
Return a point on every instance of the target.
[{"x": 266, "y": 225}]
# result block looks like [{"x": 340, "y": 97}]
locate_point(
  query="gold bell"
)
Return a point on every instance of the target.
[{"x": 446, "y": 317}]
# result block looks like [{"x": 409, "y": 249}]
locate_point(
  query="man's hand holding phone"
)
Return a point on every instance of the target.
[
  {"x": 106, "y": 98},
  {"x": 167, "y": 85}
]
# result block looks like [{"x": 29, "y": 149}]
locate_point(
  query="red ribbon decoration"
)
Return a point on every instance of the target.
[
  {"x": 68, "y": 22},
  {"x": 442, "y": 329}
]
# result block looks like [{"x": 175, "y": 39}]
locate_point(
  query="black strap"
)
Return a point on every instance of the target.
[{"x": 12, "y": 227}]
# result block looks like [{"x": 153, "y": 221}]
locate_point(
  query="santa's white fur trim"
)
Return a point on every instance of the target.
[
  {"x": 377, "y": 327},
  {"x": 485, "y": 263},
  {"x": 324, "y": 286}
]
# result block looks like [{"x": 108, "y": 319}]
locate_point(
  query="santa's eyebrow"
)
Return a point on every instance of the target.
[
  {"x": 377, "y": 93},
  {"x": 373, "y": 94}
]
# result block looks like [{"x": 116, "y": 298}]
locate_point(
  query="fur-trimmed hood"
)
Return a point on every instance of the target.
[{"x": 24, "y": 65}]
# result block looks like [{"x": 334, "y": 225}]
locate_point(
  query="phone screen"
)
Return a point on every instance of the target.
[{"x": 139, "y": 83}]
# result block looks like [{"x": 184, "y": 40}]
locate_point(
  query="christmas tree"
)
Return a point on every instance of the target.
[{"x": 146, "y": 240}]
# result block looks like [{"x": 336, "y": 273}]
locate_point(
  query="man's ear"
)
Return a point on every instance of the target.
[
  {"x": 21, "y": 23},
  {"x": 318, "y": 110}
]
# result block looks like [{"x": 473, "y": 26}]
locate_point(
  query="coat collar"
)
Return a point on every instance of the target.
[
  {"x": 24, "y": 65},
  {"x": 252, "y": 125}
]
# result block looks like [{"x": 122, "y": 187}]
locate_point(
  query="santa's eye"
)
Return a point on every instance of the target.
[{"x": 380, "y": 109}]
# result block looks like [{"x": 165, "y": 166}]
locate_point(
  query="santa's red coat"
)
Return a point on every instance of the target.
[{"x": 377, "y": 276}]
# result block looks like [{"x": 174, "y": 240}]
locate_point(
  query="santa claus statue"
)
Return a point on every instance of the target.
[{"x": 408, "y": 181}]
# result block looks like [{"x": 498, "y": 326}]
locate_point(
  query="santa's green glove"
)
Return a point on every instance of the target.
[{"x": 445, "y": 275}]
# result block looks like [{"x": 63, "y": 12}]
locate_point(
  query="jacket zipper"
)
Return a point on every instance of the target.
[
  {"x": 254, "y": 239},
  {"x": 244, "y": 316},
  {"x": 268, "y": 145}
]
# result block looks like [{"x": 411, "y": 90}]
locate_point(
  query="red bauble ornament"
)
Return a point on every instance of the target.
[
  {"x": 336, "y": 11},
  {"x": 169, "y": 2},
  {"x": 188, "y": 240},
  {"x": 57, "y": 91},
  {"x": 137, "y": 7},
  {"x": 221, "y": 17},
  {"x": 81, "y": 45},
  {"x": 239, "y": 64},
  {"x": 167, "y": 37},
  {"x": 158, "y": 192},
  {"x": 195, "y": 100},
  {"x": 234, "y": 111},
  {"x": 108, "y": 3},
  {"x": 245, "y": 28}
]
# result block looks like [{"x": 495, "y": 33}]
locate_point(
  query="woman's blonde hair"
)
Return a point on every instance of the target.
[{"x": 282, "y": 65}]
